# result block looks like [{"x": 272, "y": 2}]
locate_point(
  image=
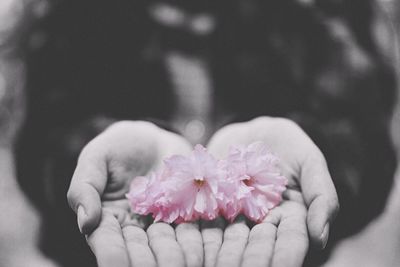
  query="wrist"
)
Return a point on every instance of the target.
[
  {"x": 8, "y": 180},
  {"x": 393, "y": 202}
]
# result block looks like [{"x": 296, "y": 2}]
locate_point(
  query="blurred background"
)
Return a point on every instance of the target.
[{"x": 68, "y": 69}]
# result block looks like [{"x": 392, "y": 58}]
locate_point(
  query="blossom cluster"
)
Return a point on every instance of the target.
[{"x": 199, "y": 186}]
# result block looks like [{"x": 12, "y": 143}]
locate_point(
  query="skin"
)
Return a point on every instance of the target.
[
  {"x": 128, "y": 149},
  {"x": 309, "y": 204},
  {"x": 97, "y": 194},
  {"x": 19, "y": 240},
  {"x": 378, "y": 243},
  {"x": 111, "y": 219},
  {"x": 20, "y": 222}
]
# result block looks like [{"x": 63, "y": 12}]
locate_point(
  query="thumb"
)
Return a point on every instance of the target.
[
  {"x": 87, "y": 186},
  {"x": 320, "y": 196},
  {"x": 85, "y": 201}
]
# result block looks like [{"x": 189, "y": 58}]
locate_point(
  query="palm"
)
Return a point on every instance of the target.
[
  {"x": 127, "y": 162},
  {"x": 279, "y": 135},
  {"x": 103, "y": 176},
  {"x": 284, "y": 231},
  {"x": 128, "y": 158}
]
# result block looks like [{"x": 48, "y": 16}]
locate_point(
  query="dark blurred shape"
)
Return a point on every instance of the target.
[{"x": 100, "y": 61}]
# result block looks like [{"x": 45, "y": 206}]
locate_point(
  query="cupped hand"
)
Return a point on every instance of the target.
[
  {"x": 309, "y": 206},
  {"x": 102, "y": 177}
]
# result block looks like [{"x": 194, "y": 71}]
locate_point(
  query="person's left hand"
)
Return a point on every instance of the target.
[{"x": 310, "y": 202}]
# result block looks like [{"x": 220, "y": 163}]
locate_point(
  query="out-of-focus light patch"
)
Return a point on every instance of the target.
[
  {"x": 384, "y": 33},
  {"x": 167, "y": 15},
  {"x": 195, "y": 130},
  {"x": 40, "y": 8},
  {"x": 10, "y": 13},
  {"x": 307, "y": 2},
  {"x": 2, "y": 86},
  {"x": 339, "y": 29},
  {"x": 355, "y": 55},
  {"x": 203, "y": 24}
]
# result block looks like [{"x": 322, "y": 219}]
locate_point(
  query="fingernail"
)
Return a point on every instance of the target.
[
  {"x": 81, "y": 214},
  {"x": 325, "y": 235}
]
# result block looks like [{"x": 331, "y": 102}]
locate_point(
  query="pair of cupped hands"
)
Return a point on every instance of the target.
[{"x": 127, "y": 149}]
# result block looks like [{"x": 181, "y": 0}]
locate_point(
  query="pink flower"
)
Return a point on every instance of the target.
[
  {"x": 195, "y": 184},
  {"x": 200, "y": 187},
  {"x": 260, "y": 184},
  {"x": 187, "y": 189},
  {"x": 146, "y": 194}
]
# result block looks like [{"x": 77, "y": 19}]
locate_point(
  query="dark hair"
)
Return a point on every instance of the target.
[{"x": 318, "y": 65}]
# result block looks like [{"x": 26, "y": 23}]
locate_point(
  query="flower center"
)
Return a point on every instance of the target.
[
  {"x": 248, "y": 182},
  {"x": 199, "y": 182}
]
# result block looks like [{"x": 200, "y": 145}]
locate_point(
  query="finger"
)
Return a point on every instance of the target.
[
  {"x": 292, "y": 238},
  {"x": 261, "y": 244},
  {"x": 320, "y": 196},
  {"x": 138, "y": 247},
  {"x": 212, "y": 233},
  {"x": 293, "y": 195},
  {"x": 234, "y": 243},
  {"x": 107, "y": 243},
  {"x": 138, "y": 220},
  {"x": 87, "y": 185},
  {"x": 164, "y": 245},
  {"x": 191, "y": 242}
]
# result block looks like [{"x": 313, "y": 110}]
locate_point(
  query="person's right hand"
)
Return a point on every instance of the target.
[{"x": 102, "y": 177}]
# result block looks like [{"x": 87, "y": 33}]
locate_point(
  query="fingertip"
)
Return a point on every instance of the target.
[
  {"x": 320, "y": 239},
  {"x": 318, "y": 231},
  {"x": 324, "y": 236},
  {"x": 85, "y": 201},
  {"x": 87, "y": 222},
  {"x": 322, "y": 211},
  {"x": 81, "y": 216},
  {"x": 88, "y": 214},
  {"x": 315, "y": 229}
]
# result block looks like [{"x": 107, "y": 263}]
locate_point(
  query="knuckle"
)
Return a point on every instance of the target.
[
  {"x": 330, "y": 202},
  {"x": 335, "y": 204},
  {"x": 122, "y": 126},
  {"x": 318, "y": 158},
  {"x": 287, "y": 124},
  {"x": 278, "y": 122},
  {"x": 90, "y": 149},
  {"x": 261, "y": 120},
  {"x": 119, "y": 126},
  {"x": 228, "y": 131}
]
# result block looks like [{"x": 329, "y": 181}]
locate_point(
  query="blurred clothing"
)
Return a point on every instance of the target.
[{"x": 318, "y": 65}]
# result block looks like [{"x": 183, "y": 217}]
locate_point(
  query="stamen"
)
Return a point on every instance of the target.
[
  {"x": 249, "y": 182},
  {"x": 199, "y": 182}
]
